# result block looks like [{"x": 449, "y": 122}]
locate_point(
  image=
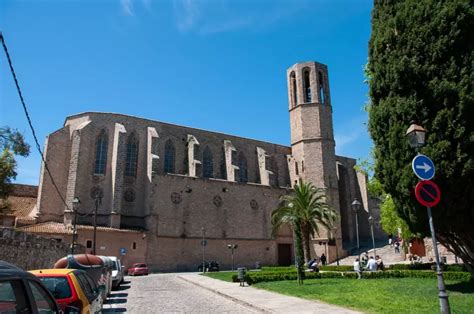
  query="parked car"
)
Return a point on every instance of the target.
[
  {"x": 117, "y": 272},
  {"x": 210, "y": 266},
  {"x": 108, "y": 268},
  {"x": 71, "y": 287},
  {"x": 92, "y": 265},
  {"x": 22, "y": 292},
  {"x": 138, "y": 269}
]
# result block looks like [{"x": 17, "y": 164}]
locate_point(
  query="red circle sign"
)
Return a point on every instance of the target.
[{"x": 427, "y": 193}]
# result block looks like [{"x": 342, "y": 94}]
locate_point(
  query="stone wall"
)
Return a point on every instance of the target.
[{"x": 29, "y": 251}]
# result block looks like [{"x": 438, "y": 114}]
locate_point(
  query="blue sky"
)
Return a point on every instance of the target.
[{"x": 215, "y": 65}]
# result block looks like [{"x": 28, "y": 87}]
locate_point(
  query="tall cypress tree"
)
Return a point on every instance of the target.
[{"x": 421, "y": 69}]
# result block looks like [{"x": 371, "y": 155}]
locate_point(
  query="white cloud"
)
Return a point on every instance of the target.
[
  {"x": 204, "y": 17},
  {"x": 127, "y": 7},
  {"x": 187, "y": 13}
]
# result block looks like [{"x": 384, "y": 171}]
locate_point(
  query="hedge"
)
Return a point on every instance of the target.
[
  {"x": 427, "y": 266},
  {"x": 252, "y": 278}
]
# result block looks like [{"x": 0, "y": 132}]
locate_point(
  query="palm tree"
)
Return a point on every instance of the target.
[{"x": 304, "y": 210}]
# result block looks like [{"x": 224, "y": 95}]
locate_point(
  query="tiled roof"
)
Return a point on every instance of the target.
[
  {"x": 21, "y": 206},
  {"x": 59, "y": 228}
]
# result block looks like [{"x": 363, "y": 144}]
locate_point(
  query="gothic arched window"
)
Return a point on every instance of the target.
[
  {"x": 101, "y": 153},
  {"x": 242, "y": 164},
  {"x": 170, "y": 153},
  {"x": 306, "y": 86},
  {"x": 321, "y": 87},
  {"x": 293, "y": 89},
  {"x": 207, "y": 166},
  {"x": 132, "y": 156}
]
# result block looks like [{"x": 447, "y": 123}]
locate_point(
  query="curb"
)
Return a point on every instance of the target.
[{"x": 236, "y": 300}]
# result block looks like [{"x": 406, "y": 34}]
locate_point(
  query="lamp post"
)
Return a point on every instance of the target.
[
  {"x": 98, "y": 201},
  {"x": 334, "y": 235},
  {"x": 416, "y": 137},
  {"x": 75, "y": 205},
  {"x": 232, "y": 247},
  {"x": 356, "y": 207},
  {"x": 203, "y": 244},
  {"x": 371, "y": 223}
]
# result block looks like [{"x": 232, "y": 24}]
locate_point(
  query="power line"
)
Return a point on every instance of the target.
[{"x": 29, "y": 119}]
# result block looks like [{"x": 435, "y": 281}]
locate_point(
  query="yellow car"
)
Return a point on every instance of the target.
[{"x": 71, "y": 288}]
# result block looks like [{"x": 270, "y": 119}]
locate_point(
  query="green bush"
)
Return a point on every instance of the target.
[
  {"x": 336, "y": 268},
  {"x": 427, "y": 266},
  {"x": 252, "y": 278}
]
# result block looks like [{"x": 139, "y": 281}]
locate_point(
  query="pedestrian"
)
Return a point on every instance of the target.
[
  {"x": 372, "y": 264},
  {"x": 365, "y": 259},
  {"x": 379, "y": 262},
  {"x": 390, "y": 240},
  {"x": 323, "y": 259},
  {"x": 357, "y": 268},
  {"x": 397, "y": 247}
]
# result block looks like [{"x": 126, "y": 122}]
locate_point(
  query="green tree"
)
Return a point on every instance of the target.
[
  {"x": 304, "y": 210},
  {"x": 11, "y": 143},
  {"x": 420, "y": 69}
]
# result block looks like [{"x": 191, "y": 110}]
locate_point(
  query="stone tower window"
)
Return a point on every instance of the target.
[
  {"x": 170, "y": 153},
  {"x": 293, "y": 89},
  {"x": 321, "y": 87},
  {"x": 132, "y": 156},
  {"x": 242, "y": 164},
  {"x": 101, "y": 153},
  {"x": 306, "y": 86},
  {"x": 207, "y": 166}
]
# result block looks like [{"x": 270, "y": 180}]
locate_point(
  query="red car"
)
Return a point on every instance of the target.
[{"x": 138, "y": 269}]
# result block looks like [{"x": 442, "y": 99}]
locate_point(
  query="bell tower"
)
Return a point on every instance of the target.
[{"x": 313, "y": 156}]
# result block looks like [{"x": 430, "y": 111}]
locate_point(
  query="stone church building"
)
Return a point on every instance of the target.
[{"x": 161, "y": 189}]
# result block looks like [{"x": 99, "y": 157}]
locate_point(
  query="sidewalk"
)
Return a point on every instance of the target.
[{"x": 261, "y": 300}]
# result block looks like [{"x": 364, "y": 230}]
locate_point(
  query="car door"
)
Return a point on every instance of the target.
[
  {"x": 92, "y": 293},
  {"x": 43, "y": 300},
  {"x": 13, "y": 297}
]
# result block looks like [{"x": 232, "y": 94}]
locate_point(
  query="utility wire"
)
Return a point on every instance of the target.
[{"x": 29, "y": 120}]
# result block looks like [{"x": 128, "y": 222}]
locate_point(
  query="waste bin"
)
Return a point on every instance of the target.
[
  {"x": 241, "y": 271},
  {"x": 444, "y": 259}
]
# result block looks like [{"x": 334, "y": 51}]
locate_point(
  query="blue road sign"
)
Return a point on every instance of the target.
[
  {"x": 423, "y": 167},
  {"x": 123, "y": 251}
]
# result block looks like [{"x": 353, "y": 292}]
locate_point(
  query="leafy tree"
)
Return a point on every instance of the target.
[
  {"x": 420, "y": 69},
  {"x": 11, "y": 143},
  {"x": 304, "y": 210}
]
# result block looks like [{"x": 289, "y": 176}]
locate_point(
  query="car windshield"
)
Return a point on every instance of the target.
[
  {"x": 114, "y": 266},
  {"x": 58, "y": 286}
]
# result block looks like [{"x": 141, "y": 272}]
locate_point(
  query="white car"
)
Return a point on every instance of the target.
[{"x": 117, "y": 272}]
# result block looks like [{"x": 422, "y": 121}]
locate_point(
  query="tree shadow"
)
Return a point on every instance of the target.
[
  {"x": 462, "y": 287},
  {"x": 116, "y": 310}
]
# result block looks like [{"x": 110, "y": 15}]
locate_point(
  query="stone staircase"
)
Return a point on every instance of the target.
[{"x": 386, "y": 252}]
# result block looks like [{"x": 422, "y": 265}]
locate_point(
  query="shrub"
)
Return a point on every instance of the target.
[{"x": 336, "y": 268}]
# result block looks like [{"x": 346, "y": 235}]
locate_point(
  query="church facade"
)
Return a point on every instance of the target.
[{"x": 193, "y": 192}]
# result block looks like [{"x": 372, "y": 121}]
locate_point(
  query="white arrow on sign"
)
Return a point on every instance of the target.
[{"x": 425, "y": 167}]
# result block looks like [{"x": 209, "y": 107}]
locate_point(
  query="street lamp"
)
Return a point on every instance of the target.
[
  {"x": 334, "y": 234},
  {"x": 416, "y": 138},
  {"x": 75, "y": 205},
  {"x": 203, "y": 244},
  {"x": 356, "y": 207},
  {"x": 232, "y": 247},
  {"x": 371, "y": 223},
  {"x": 98, "y": 201}
]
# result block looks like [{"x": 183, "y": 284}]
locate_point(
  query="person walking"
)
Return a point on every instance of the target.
[
  {"x": 357, "y": 268},
  {"x": 323, "y": 259},
  {"x": 397, "y": 247}
]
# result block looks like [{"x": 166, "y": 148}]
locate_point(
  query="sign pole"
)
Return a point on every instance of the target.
[
  {"x": 443, "y": 296},
  {"x": 203, "y": 244}
]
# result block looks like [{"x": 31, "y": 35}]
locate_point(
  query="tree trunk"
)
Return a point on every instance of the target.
[
  {"x": 306, "y": 243},
  {"x": 299, "y": 253}
]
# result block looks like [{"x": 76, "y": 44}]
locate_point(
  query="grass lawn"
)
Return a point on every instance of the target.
[
  {"x": 400, "y": 295},
  {"x": 222, "y": 275}
]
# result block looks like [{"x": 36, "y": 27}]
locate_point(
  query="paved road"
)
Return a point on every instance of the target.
[{"x": 166, "y": 293}]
